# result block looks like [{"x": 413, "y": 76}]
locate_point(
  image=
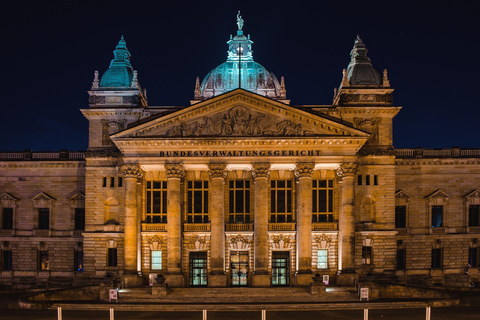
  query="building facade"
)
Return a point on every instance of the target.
[{"x": 240, "y": 188}]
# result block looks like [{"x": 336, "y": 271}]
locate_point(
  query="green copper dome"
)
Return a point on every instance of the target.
[
  {"x": 240, "y": 71},
  {"x": 120, "y": 72}
]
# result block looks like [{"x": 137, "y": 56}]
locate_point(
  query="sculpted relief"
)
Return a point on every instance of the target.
[{"x": 238, "y": 121}]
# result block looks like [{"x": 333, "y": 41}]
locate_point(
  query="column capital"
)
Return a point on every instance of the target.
[
  {"x": 174, "y": 170},
  {"x": 132, "y": 170},
  {"x": 217, "y": 170},
  {"x": 304, "y": 169},
  {"x": 347, "y": 168},
  {"x": 261, "y": 169}
]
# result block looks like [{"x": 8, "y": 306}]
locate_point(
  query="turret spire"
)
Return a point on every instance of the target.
[
  {"x": 240, "y": 21},
  {"x": 360, "y": 70},
  {"x": 120, "y": 72}
]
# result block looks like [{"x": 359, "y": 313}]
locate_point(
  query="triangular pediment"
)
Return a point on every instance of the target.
[
  {"x": 5, "y": 196},
  {"x": 474, "y": 194},
  {"x": 401, "y": 194},
  {"x": 439, "y": 194},
  {"x": 77, "y": 197},
  {"x": 42, "y": 196},
  {"x": 240, "y": 113}
]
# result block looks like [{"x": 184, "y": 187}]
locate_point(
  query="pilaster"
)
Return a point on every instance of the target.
[{"x": 131, "y": 174}]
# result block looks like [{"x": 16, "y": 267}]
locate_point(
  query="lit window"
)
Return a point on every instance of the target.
[
  {"x": 156, "y": 259},
  {"x": 322, "y": 259},
  {"x": 43, "y": 262},
  {"x": 78, "y": 261}
]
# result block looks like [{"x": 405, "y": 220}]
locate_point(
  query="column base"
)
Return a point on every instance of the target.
[
  {"x": 175, "y": 280},
  {"x": 303, "y": 279},
  {"x": 132, "y": 280},
  {"x": 217, "y": 280},
  {"x": 347, "y": 278},
  {"x": 261, "y": 280}
]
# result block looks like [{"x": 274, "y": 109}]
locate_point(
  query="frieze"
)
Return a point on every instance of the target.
[
  {"x": 238, "y": 121},
  {"x": 241, "y": 153},
  {"x": 103, "y": 153},
  {"x": 80, "y": 164},
  {"x": 217, "y": 170},
  {"x": 377, "y": 151},
  {"x": 304, "y": 169},
  {"x": 423, "y": 162}
]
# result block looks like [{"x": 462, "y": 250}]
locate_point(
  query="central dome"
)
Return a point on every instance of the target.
[{"x": 240, "y": 71}]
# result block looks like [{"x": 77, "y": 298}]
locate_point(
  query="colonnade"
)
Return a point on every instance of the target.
[{"x": 260, "y": 172}]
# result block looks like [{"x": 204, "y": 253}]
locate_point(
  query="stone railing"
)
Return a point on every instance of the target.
[
  {"x": 437, "y": 153},
  {"x": 196, "y": 227},
  {"x": 281, "y": 226},
  {"x": 44, "y": 156},
  {"x": 438, "y": 230},
  {"x": 473, "y": 230},
  {"x": 324, "y": 226},
  {"x": 401, "y": 231},
  {"x": 239, "y": 227},
  {"x": 154, "y": 227}
]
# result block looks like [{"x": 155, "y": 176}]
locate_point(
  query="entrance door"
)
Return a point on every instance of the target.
[
  {"x": 198, "y": 269},
  {"x": 280, "y": 268},
  {"x": 239, "y": 267}
]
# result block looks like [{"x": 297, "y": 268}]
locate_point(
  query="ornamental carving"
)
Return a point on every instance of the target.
[
  {"x": 238, "y": 121},
  {"x": 323, "y": 241},
  {"x": 347, "y": 168},
  {"x": 281, "y": 242},
  {"x": 304, "y": 169},
  {"x": 174, "y": 171},
  {"x": 239, "y": 242},
  {"x": 197, "y": 243},
  {"x": 369, "y": 125},
  {"x": 131, "y": 171},
  {"x": 217, "y": 170},
  {"x": 155, "y": 242},
  {"x": 261, "y": 170}
]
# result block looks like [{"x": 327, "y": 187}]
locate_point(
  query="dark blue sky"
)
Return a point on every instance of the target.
[{"x": 50, "y": 50}]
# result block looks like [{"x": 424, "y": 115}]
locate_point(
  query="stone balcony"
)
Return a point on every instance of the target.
[
  {"x": 321, "y": 226},
  {"x": 196, "y": 227},
  {"x": 281, "y": 226},
  {"x": 29, "y": 155},
  {"x": 154, "y": 227},
  {"x": 239, "y": 227},
  {"x": 437, "y": 153}
]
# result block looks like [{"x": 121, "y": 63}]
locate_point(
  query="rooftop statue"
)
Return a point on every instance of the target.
[{"x": 239, "y": 21}]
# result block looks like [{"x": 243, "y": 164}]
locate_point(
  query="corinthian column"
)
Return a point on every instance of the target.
[
  {"x": 346, "y": 219},
  {"x": 131, "y": 172},
  {"x": 218, "y": 172},
  {"x": 174, "y": 173},
  {"x": 304, "y": 223},
  {"x": 261, "y": 172}
]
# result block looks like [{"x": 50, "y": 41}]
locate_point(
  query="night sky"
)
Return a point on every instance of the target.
[{"x": 50, "y": 50}]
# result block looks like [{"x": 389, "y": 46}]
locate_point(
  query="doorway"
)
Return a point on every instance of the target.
[
  {"x": 239, "y": 268},
  {"x": 280, "y": 268},
  {"x": 198, "y": 269}
]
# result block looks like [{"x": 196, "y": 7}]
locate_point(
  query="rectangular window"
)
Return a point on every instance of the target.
[
  {"x": 156, "y": 259},
  {"x": 198, "y": 269},
  {"x": 7, "y": 260},
  {"x": 44, "y": 218},
  {"x": 436, "y": 258},
  {"x": 7, "y": 218},
  {"x": 359, "y": 179},
  {"x": 400, "y": 216},
  {"x": 281, "y": 201},
  {"x": 197, "y": 201},
  {"x": 239, "y": 201},
  {"x": 120, "y": 182},
  {"x": 366, "y": 255},
  {"x": 156, "y": 202},
  {"x": 375, "y": 180},
  {"x": 367, "y": 180},
  {"x": 104, "y": 183},
  {"x": 79, "y": 218},
  {"x": 322, "y": 200},
  {"x": 78, "y": 261},
  {"x": 112, "y": 182},
  {"x": 322, "y": 259},
  {"x": 474, "y": 215},
  {"x": 401, "y": 259},
  {"x": 112, "y": 257},
  {"x": 473, "y": 257},
  {"x": 437, "y": 216},
  {"x": 43, "y": 262}
]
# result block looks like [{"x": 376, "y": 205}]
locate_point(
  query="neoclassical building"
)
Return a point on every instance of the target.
[{"x": 240, "y": 188}]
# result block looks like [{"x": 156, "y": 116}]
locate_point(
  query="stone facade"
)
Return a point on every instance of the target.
[{"x": 241, "y": 190}]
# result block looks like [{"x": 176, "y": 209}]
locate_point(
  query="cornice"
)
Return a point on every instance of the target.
[
  {"x": 359, "y": 110},
  {"x": 443, "y": 162},
  {"x": 69, "y": 164},
  {"x": 115, "y": 112}
]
